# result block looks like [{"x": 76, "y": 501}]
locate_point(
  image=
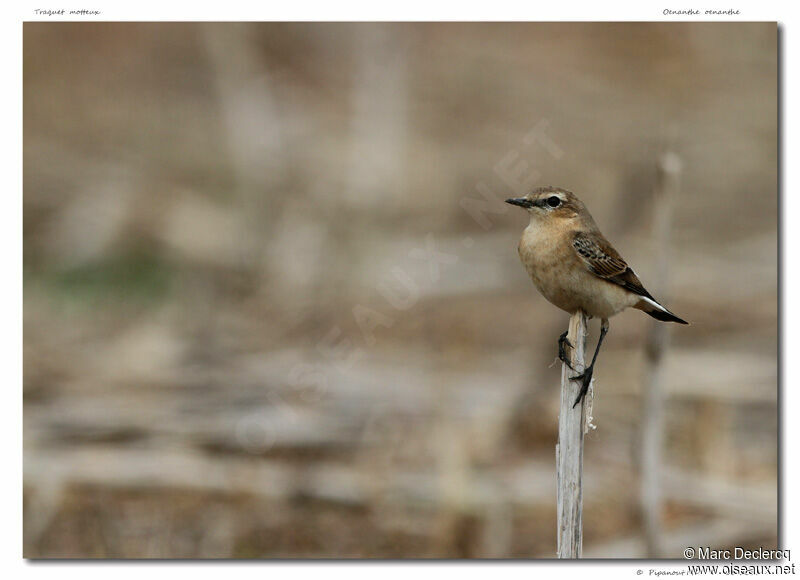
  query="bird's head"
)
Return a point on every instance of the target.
[{"x": 550, "y": 203}]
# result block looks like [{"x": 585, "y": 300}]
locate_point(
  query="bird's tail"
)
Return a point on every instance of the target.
[{"x": 657, "y": 311}]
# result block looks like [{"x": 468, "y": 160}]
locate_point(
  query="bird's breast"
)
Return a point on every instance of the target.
[{"x": 550, "y": 262}]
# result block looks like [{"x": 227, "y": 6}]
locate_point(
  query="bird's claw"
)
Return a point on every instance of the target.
[
  {"x": 586, "y": 380},
  {"x": 562, "y": 352}
]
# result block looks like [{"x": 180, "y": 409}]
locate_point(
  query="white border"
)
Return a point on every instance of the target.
[{"x": 359, "y": 10}]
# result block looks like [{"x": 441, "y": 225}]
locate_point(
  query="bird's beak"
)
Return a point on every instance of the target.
[{"x": 520, "y": 201}]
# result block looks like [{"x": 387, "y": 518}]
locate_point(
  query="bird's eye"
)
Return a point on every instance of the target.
[{"x": 553, "y": 201}]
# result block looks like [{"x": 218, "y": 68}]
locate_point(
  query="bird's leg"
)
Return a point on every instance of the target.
[
  {"x": 562, "y": 352},
  {"x": 586, "y": 376}
]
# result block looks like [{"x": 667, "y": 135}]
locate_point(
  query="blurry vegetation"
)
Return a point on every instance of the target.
[{"x": 137, "y": 276}]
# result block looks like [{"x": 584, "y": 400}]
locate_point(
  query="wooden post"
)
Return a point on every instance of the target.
[
  {"x": 652, "y": 414},
  {"x": 569, "y": 450}
]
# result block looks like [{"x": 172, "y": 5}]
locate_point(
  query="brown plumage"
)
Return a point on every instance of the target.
[{"x": 575, "y": 267}]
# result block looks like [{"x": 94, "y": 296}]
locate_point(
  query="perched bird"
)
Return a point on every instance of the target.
[{"x": 576, "y": 268}]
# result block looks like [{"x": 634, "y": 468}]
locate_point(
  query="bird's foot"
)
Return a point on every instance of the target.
[
  {"x": 586, "y": 380},
  {"x": 563, "y": 342}
]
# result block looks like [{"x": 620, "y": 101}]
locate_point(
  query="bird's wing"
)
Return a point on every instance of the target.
[{"x": 602, "y": 260}]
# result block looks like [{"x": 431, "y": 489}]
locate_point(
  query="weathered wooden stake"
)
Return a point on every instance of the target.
[{"x": 569, "y": 450}]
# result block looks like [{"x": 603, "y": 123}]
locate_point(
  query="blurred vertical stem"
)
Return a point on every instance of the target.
[
  {"x": 652, "y": 415},
  {"x": 569, "y": 451},
  {"x": 252, "y": 130}
]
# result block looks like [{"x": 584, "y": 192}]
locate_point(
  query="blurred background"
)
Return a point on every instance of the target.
[{"x": 273, "y": 305}]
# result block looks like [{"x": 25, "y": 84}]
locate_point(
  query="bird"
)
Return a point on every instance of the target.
[{"x": 576, "y": 268}]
